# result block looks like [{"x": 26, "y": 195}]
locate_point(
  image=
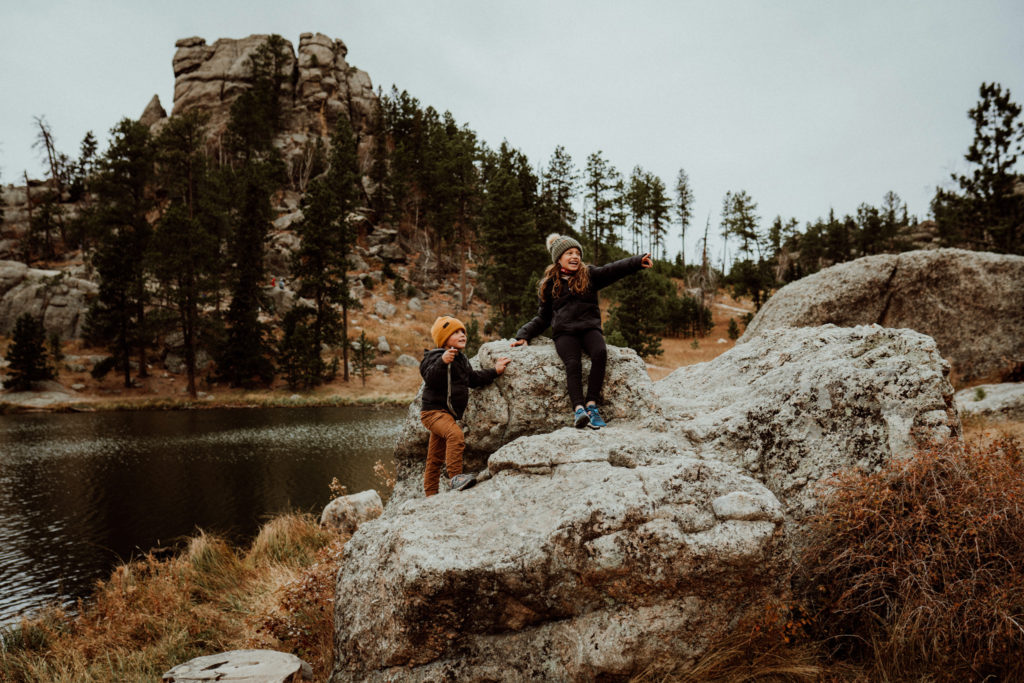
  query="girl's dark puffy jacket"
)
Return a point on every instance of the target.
[
  {"x": 446, "y": 385},
  {"x": 571, "y": 313}
]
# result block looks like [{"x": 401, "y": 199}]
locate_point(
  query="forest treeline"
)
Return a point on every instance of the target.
[{"x": 177, "y": 234}]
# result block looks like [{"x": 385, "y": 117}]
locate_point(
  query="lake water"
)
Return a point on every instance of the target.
[{"x": 80, "y": 493}]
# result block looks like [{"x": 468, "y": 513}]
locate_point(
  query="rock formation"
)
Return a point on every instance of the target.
[
  {"x": 320, "y": 87},
  {"x": 969, "y": 301},
  {"x": 153, "y": 112},
  {"x": 996, "y": 402},
  {"x": 346, "y": 513},
  {"x": 53, "y": 296},
  {"x": 586, "y": 555}
]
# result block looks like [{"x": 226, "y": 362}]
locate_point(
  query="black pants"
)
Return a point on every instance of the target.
[{"x": 570, "y": 348}]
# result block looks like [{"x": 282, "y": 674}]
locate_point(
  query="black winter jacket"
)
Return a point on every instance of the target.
[
  {"x": 446, "y": 385},
  {"x": 571, "y": 313}
]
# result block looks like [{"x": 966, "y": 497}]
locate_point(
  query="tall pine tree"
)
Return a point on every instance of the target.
[
  {"x": 514, "y": 253},
  {"x": 254, "y": 172},
  {"x": 684, "y": 210},
  {"x": 321, "y": 261},
  {"x": 186, "y": 257},
  {"x": 119, "y": 224}
]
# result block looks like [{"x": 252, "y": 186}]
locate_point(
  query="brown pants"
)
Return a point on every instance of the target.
[{"x": 446, "y": 446}]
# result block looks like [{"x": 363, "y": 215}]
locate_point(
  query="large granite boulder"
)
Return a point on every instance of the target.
[
  {"x": 594, "y": 555},
  {"x": 52, "y": 296},
  {"x": 969, "y": 301},
  {"x": 593, "y": 569},
  {"x": 530, "y": 398},
  {"x": 792, "y": 406}
]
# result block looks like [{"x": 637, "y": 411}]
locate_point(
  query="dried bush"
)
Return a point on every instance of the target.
[{"x": 916, "y": 570}]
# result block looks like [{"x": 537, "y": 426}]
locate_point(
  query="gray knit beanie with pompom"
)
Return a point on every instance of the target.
[{"x": 559, "y": 244}]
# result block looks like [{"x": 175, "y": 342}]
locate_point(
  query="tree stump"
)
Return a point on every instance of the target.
[{"x": 252, "y": 666}]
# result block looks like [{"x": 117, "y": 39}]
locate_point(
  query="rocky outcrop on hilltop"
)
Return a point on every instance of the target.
[
  {"x": 968, "y": 301},
  {"x": 320, "y": 87},
  {"x": 594, "y": 555}
]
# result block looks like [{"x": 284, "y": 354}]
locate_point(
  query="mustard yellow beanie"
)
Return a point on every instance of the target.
[{"x": 444, "y": 327}]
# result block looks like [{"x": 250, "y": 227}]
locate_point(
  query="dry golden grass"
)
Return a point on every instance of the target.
[
  {"x": 679, "y": 352},
  {"x": 154, "y": 613}
]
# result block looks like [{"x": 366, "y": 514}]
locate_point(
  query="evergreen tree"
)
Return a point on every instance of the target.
[
  {"x": 684, "y": 210},
  {"x": 473, "y": 339},
  {"x": 990, "y": 212},
  {"x": 558, "y": 187},
  {"x": 638, "y": 198},
  {"x": 255, "y": 172},
  {"x": 381, "y": 200},
  {"x": 58, "y": 169},
  {"x": 43, "y": 226},
  {"x": 27, "y": 354},
  {"x": 119, "y": 223},
  {"x": 256, "y": 113},
  {"x": 83, "y": 167},
  {"x": 740, "y": 220},
  {"x": 599, "y": 182},
  {"x": 186, "y": 257},
  {"x": 659, "y": 209},
  {"x": 298, "y": 355},
  {"x": 894, "y": 216},
  {"x": 321, "y": 260},
  {"x": 639, "y": 311},
  {"x": 457, "y": 193},
  {"x": 513, "y": 245},
  {"x": 362, "y": 359},
  {"x": 244, "y": 359}
]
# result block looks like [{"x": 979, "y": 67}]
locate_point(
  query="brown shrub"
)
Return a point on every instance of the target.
[{"x": 917, "y": 569}]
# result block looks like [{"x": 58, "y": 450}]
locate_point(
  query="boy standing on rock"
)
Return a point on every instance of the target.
[{"x": 447, "y": 378}]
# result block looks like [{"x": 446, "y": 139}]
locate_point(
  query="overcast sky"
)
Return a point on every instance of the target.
[{"x": 806, "y": 105}]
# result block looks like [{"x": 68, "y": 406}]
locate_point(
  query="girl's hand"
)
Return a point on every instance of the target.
[
  {"x": 499, "y": 365},
  {"x": 519, "y": 342},
  {"x": 449, "y": 355},
  {"x": 646, "y": 261}
]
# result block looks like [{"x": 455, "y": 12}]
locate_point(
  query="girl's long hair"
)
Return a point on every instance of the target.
[{"x": 579, "y": 281}]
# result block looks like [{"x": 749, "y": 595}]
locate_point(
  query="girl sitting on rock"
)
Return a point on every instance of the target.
[{"x": 568, "y": 303}]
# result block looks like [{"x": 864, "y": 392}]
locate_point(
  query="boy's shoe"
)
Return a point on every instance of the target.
[
  {"x": 596, "y": 422},
  {"x": 461, "y": 482},
  {"x": 580, "y": 419}
]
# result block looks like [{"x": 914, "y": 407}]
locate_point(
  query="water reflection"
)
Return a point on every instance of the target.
[{"x": 79, "y": 492}]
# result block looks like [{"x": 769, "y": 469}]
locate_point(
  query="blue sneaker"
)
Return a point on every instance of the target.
[
  {"x": 595, "y": 418},
  {"x": 581, "y": 419}
]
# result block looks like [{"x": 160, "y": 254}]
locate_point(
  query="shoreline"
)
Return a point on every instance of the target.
[{"x": 209, "y": 403}]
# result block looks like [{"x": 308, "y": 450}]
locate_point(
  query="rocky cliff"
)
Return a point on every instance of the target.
[{"x": 319, "y": 87}]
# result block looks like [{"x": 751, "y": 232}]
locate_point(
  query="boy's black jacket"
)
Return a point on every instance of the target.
[
  {"x": 571, "y": 313},
  {"x": 446, "y": 385}
]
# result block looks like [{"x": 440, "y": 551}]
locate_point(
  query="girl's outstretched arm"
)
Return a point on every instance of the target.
[{"x": 602, "y": 276}]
